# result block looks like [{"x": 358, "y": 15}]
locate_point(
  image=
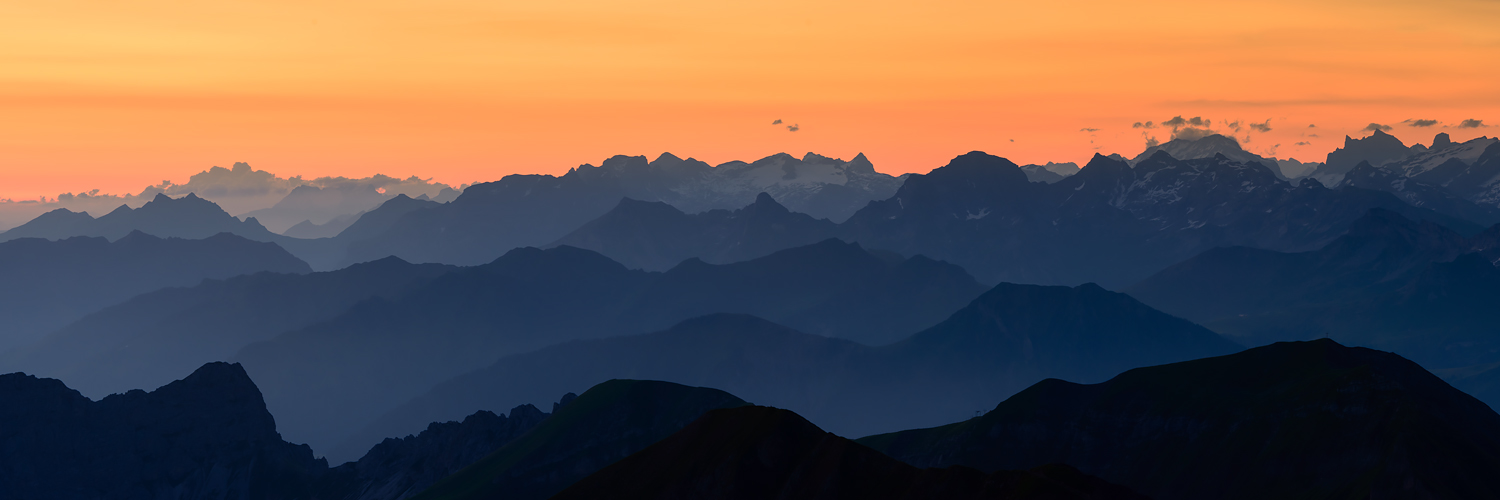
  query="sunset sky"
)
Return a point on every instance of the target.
[{"x": 118, "y": 95}]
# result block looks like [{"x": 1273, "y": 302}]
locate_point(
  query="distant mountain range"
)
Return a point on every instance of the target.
[
  {"x": 50, "y": 284},
  {"x": 188, "y": 217},
  {"x": 1289, "y": 420},
  {"x": 1011, "y": 337},
  {"x": 656, "y": 236},
  {"x": 381, "y": 352},
  {"x": 757, "y": 452},
  {"x": 153, "y": 338},
  {"x": 534, "y": 210}
]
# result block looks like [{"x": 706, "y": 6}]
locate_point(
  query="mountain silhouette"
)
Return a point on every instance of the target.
[
  {"x": 491, "y": 218},
  {"x": 1290, "y": 420},
  {"x": 656, "y": 236},
  {"x": 205, "y": 436},
  {"x": 1413, "y": 288},
  {"x": 53, "y": 283},
  {"x": 757, "y": 452},
  {"x": 368, "y": 359},
  {"x": 150, "y": 339},
  {"x": 1005, "y": 340},
  {"x": 608, "y": 422},
  {"x": 318, "y": 205},
  {"x": 188, "y": 217},
  {"x": 1377, "y": 149},
  {"x": 1049, "y": 173},
  {"x": 1109, "y": 223}
]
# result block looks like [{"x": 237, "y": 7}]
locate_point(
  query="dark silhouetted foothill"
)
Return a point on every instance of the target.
[
  {"x": 756, "y": 452},
  {"x": 607, "y": 423},
  {"x": 1290, "y": 420}
]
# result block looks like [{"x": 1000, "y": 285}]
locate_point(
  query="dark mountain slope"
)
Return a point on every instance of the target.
[
  {"x": 655, "y": 236},
  {"x": 608, "y": 422},
  {"x": 146, "y": 340},
  {"x": 1419, "y": 194},
  {"x": 381, "y": 353},
  {"x": 52, "y": 283},
  {"x": 1412, "y": 288},
  {"x": 1379, "y": 253},
  {"x": 205, "y": 436},
  {"x": 757, "y": 452},
  {"x": 1290, "y": 420},
  {"x": 401, "y": 468},
  {"x": 1005, "y": 340}
]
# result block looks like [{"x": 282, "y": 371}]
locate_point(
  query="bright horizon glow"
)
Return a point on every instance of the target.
[{"x": 118, "y": 96}]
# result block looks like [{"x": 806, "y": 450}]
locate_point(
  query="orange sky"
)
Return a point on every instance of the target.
[{"x": 118, "y": 95}]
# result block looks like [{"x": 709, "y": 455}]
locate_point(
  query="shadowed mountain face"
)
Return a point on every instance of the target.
[
  {"x": 534, "y": 210},
  {"x": 756, "y": 452},
  {"x": 330, "y": 378},
  {"x": 1009, "y": 338},
  {"x": 1290, "y": 420},
  {"x": 1414, "y": 288},
  {"x": 318, "y": 205},
  {"x": 656, "y": 236},
  {"x": 206, "y": 436},
  {"x": 52, "y": 283},
  {"x": 1420, "y": 194},
  {"x": 1377, "y": 149},
  {"x": 151, "y": 339},
  {"x": 401, "y": 468},
  {"x": 1109, "y": 223},
  {"x": 609, "y": 422}
]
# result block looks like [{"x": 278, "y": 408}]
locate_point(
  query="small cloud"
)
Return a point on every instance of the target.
[
  {"x": 1264, "y": 126},
  {"x": 1012, "y": 140},
  {"x": 1312, "y": 135},
  {"x": 1374, "y": 127},
  {"x": 1088, "y": 129},
  {"x": 1176, "y": 121},
  {"x": 1143, "y": 125},
  {"x": 794, "y": 127},
  {"x": 1303, "y": 143},
  {"x": 1311, "y": 126},
  {"x": 777, "y": 122},
  {"x": 1419, "y": 123},
  {"x": 1234, "y": 125},
  {"x": 1472, "y": 123},
  {"x": 1272, "y": 150},
  {"x": 1151, "y": 142}
]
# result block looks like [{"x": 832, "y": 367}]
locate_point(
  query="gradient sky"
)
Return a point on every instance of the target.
[{"x": 117, "y": 95}]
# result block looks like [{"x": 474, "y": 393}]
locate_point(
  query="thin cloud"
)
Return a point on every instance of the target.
[
  {"x": 1143, "y": 125},
  {"x": 1179, "y": 121},
  {"x": 1264, "y": 126},
  {"x": 1191, "y": 133},
  {"x": 1086, "y": 129},
  {"x": 1472, "y": 123},
  {"x": 1303, "y": 143},
  {"x": 794, "y": 127},
  {"x": 1372, "y": 127},
  {"x": 777, "y": 122},
  {"x": 1311, "y": 126},
  {"x": 1151, "y": 142},
  {"x": 1413, "y": 122}
]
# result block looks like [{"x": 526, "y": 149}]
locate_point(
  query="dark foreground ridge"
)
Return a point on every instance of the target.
[
  {"x": 607, "y": 423},
  {"x": 1290, "y": 420},
  {"x": 756, "y": 452}
]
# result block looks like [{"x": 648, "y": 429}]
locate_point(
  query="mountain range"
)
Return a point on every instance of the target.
[
  {"x": 380, "y": 352},
  {"x": 1414, "y": 288},
  {"x": 1008, "y": 338},
  {"x": 656, "y": 236},
  {"x": 50, "y": 284},
  {"x": 1290, "y": 420},
  {"x": 149, "y": 340}
]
